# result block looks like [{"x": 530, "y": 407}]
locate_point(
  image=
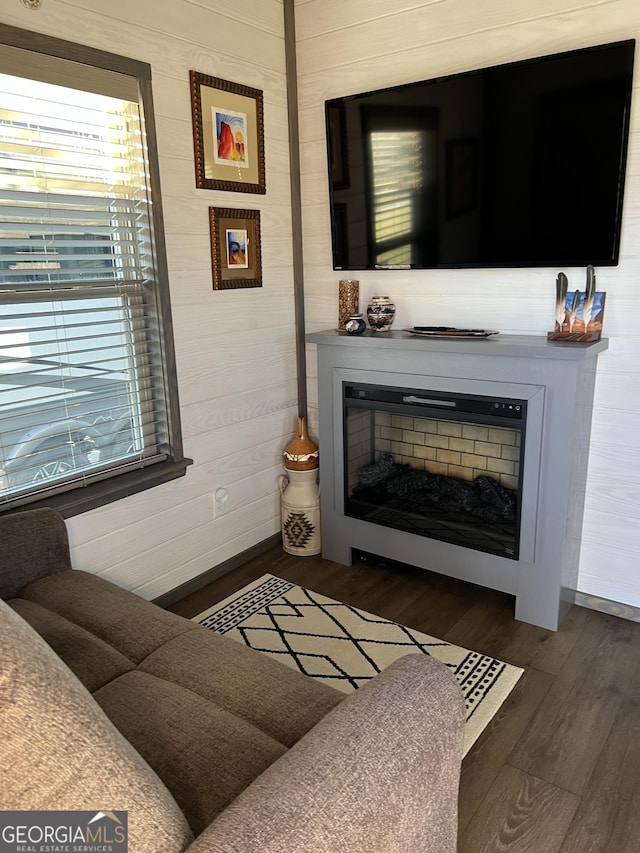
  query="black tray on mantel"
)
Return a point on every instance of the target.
[{"x": 449, "y": 332}]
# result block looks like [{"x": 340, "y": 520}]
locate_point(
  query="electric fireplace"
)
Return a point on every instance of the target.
[
  {"x": 464, "y": 457},
  {"x": 445, "y": 466}
]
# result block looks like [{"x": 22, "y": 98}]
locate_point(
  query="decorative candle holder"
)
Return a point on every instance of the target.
[{"x": 348, "y": 300}]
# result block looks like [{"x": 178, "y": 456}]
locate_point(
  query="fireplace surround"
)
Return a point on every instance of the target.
[{"x": 394, "y": 399}]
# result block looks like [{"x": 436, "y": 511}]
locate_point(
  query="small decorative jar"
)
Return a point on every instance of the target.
[
  {"x": 355, "y": 325},
  {"x": 381, "y": 313}
]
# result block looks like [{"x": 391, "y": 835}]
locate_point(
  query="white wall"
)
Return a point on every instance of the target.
[
  {"x": 235, "y": 349},
  {"x": 347, "y": 46}
]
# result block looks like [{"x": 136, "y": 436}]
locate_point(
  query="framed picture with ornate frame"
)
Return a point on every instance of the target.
[
  {"x": 228, "y": 135},
  {"x": 236, "y": 256}
]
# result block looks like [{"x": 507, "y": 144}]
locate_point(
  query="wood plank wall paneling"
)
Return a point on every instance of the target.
[
  {"x": 235, "y": 349},
  {"x": 157, "y": 540},
  {"x": 347, "y": 46}
]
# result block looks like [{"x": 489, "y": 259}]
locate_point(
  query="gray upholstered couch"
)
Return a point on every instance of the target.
[{"x": 119, "y": 704}]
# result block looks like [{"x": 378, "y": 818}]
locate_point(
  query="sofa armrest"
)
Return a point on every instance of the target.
[
  {"x": 378, "y": 774},
  {"x": 33, "y": 544}
]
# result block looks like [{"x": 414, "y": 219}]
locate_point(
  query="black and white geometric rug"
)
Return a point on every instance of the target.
[{"x": 345, "y": 647}]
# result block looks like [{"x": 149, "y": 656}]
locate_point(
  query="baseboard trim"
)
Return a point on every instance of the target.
[
  {"x": 604, "y": 605},
  {"x": 195, "y": 584},
  {"x": 592, "y": 602}
]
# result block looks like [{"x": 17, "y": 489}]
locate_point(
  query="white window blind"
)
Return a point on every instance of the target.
[
  {"x": 401, "y": 167},
  {"x": 82, "y": 389}
]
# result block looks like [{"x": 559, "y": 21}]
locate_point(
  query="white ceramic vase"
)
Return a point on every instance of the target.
[{"x": 300, "y": 509}]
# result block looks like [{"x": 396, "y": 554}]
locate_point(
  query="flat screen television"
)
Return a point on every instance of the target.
[{"x": 516, "y": 165}]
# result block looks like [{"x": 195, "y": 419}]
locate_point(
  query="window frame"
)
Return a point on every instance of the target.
[{"x": 84, "y": 497}]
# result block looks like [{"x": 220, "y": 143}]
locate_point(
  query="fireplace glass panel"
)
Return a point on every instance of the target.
[{"x": 446, "y": 467}]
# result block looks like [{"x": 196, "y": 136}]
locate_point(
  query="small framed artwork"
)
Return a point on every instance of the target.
[
  {"x": 235, "y": 248},
  {"x": 579, "y": 316},
  {"x": 228, "y": 135},
  {"x": 582, "y": 319},
  {"x": 461, "y": 165}
]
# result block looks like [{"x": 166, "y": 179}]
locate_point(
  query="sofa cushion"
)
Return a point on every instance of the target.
[
  {"x": 130, "y": 624},
  {"x": 34, "y": 544},
  {"x": 379, "y": 774},
  {"x": 59, "y": 750},
  {"x": 205, "y": 755},
  {"x": 281, "y": 702},
  {"x": 92, "y": 660}
]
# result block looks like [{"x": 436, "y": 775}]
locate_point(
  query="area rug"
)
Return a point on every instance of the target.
[{"x": 345, "y": 647}]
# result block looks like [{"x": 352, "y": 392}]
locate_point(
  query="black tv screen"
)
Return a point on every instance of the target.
[{"x": 517, "y": 165}]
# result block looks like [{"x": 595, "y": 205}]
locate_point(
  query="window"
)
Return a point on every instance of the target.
[{"x": 88, "y": 401}]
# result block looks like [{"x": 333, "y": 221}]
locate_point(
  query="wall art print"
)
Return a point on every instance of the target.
[
  {"x": 228, "y": 135},
  {"x": 235, "y": 248}
]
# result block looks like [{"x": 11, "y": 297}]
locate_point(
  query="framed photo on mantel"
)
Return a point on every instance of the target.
[
  {"x": 582, "y": 319},
  {"x": 579, "y": 316},
  {"x": 228, "y": 135}
]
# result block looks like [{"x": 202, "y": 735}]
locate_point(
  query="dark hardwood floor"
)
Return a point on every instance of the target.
[{"x": 558, "y": 768}]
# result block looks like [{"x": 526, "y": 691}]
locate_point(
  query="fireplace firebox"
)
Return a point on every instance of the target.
[
  {"x": 444, "y": 466},
  {"x": 464, "y": 457}
]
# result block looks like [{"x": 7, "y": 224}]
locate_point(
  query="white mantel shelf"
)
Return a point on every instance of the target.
[
  {"x": 512, "y": 346},
  {"x": 556, "y": 378}
]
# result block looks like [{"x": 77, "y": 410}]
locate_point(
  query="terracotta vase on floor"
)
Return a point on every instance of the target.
[{"x": 301, "y": 454}]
